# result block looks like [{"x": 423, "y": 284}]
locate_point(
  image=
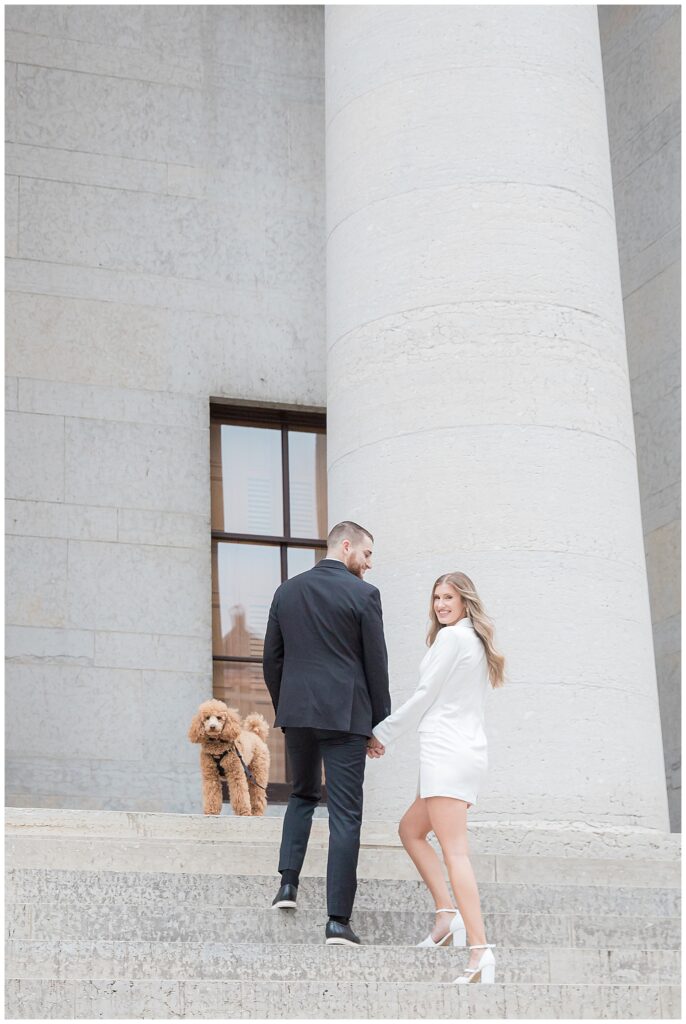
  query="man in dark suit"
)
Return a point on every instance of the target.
[{"x": 326, "y": 669}]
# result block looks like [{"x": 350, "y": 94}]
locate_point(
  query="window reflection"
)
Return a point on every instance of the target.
[
  {"x": 245, "y": 577},
  {"x": 247, "y": 480},
  {"x": 242, "y": 687},
  {"x": 302, "y": 559},
  {"x": 307, "y": 478}
]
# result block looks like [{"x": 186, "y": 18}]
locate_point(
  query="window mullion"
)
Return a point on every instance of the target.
[{"x": 286, "y": 483}]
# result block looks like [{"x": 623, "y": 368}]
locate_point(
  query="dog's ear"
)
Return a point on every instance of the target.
[
  {"x": 232, "y": 725},
  {"x": 196, "y": 733}
]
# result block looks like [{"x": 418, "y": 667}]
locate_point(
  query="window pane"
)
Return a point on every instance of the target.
[
  {"x": 302, "y": 559},
  {"x": 307, "y": 478},
  {"x": 247, "y": 480},
  {"x": 244, "y": 578},
  {"x": 242, "y": 687}
]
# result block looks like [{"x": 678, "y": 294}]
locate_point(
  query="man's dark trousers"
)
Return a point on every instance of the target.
[{"x": 344, "y": 757}]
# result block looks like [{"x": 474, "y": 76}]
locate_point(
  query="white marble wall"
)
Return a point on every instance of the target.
[
  {"x": 641, "y": 59},
  {"x": 165, "y": 236}
]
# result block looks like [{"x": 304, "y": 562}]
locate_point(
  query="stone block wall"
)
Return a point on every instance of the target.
[
  {"x": 641, "y": 63},
  {"x": 165, "y": 235}
]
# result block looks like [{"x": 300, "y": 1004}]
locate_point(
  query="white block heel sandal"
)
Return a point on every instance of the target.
[
  {"x": 484, "y": 970},
  {"x": 457, "y": 933}
]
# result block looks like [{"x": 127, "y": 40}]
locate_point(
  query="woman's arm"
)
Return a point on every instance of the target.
[{"x": 445, "y": 656}]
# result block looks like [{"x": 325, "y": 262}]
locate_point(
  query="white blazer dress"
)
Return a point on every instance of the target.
[{"x": 447, "y": 710}]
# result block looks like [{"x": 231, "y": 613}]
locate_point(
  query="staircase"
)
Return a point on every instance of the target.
[{"x": 143, "y": 915}]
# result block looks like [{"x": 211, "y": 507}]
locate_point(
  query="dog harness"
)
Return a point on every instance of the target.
[{"x": 218, "y": 758}]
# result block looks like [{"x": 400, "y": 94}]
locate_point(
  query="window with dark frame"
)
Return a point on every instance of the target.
[{"x": 269, "y": 522}]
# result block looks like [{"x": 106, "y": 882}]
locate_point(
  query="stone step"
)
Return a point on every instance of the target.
[
  {"x": 213, "y": 922},
  {"x": 83, "y": 959},
  {"x": 126, "y": 998},
  {"x": 147, "y": 915},
  {"x": 150, "y": 888},
  {"x": 530, "y": 838},
  {"x": 94, "y": 853}
]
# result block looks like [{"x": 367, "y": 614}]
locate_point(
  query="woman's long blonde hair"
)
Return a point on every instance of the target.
[{"x": 481, "y": 622}]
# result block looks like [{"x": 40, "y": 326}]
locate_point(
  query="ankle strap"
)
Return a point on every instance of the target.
[
  {"x": 446, "y": 910},
  {"x": 487, "y": 945}
]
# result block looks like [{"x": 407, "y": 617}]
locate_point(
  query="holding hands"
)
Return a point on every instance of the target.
[{"x": 375, "y": 748}]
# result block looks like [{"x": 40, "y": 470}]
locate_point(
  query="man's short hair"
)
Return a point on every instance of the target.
[{"x": 347, "y": 530}]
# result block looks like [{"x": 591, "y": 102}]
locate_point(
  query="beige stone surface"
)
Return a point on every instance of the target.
[
  {"x": 153, "y": 467},
  {"x": 33, "y": 645},
  {"x": 48, "y": 164},
  {"x": 167, "y": 529},
  {"x": 152, "y": 652},
  {"x": 132, "y": 588},
  {"x": 36, "y": 590},
  {"x": 100, "y": 112},
  {"x": 104, "y": 696},
  {"x": 109, "y": 343},
  {"x": 642, "y": 87},
  {"x": 52, "y": 519},
  {"x": 37, "y": 440},
  {"x": 11, "y": 394},
  {"x": 642, "y": 75},
  {"x": 11, "y": 215}
]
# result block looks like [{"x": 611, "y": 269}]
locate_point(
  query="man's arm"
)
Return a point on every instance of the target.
[
  {"x": 272, "y": 663},
  {"x": 375, "y": 657}
]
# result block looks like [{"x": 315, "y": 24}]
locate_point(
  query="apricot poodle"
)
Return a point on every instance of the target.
[{"x": 221, "y": 734}]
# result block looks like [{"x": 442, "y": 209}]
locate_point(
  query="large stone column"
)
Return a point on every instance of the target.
[{"x": 479, "y": 405}]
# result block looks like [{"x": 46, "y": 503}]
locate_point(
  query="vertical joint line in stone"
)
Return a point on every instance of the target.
[{"x": 18, "y": 215}]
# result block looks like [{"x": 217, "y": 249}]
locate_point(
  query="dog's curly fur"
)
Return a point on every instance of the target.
[{"x": 218, "y": 728}]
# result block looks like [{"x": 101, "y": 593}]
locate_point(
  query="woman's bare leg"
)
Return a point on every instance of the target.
[
  {"x": 413, "y": 830},
  {"x": 448, "y": 819}
]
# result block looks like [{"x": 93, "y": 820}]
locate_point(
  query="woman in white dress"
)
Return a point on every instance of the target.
[{"x": 447, "y": 710}]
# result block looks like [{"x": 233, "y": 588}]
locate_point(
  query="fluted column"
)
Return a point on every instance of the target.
[{"x": 478, "y": 397}]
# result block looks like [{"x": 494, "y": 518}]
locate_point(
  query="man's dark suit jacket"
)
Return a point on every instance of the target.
[{"x": 325, "y": 660}]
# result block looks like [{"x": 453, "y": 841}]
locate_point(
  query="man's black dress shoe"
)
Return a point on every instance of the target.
[
  {"x": 286, "y": 896},
  {"x": 339, "y": 934}
]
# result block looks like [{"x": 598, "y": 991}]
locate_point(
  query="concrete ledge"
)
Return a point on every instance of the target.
[
  {"x": 309, "y": 1000},
  {"x": 63, "y": 959},
  {"x": 211, "y": 923},
  {"x": 152, "y": 889},
  {"x": 212, "y": 857},
  {"x": 533, "y": 838}
]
